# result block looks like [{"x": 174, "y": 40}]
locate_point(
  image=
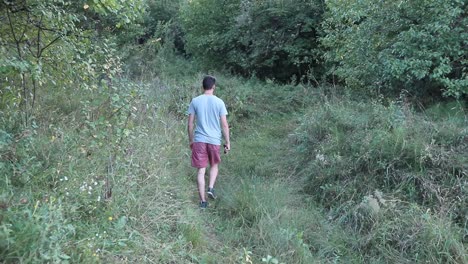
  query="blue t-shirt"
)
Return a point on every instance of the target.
[{"x": 207, "y": 109}]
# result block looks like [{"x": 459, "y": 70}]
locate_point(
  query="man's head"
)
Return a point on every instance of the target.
[{"x": 209, "y": 82}]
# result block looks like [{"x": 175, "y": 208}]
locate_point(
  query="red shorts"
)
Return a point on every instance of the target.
[{"x": 204, "y": 153}]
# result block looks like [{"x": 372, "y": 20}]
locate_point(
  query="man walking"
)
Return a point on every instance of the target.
[{"x": 208, "y": 111}]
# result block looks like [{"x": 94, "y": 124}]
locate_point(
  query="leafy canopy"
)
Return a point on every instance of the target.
[
  {"x": 418, "y": 45},
  {"x": 270, "y": 39}
]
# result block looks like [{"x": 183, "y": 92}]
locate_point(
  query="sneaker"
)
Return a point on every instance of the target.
[
  {"x": 203, "y": 205},
  {"x": 211, "y": 193}
]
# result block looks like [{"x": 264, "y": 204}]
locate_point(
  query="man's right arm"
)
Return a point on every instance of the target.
[{"x": 225, "y": 127}]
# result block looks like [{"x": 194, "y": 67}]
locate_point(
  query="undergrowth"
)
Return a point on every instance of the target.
[
  {"x": 104, "y": 176},
  {"x": 391, "y": 174}
]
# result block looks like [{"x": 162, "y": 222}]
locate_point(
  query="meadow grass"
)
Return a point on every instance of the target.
[
  {"x": 312, "y": 178},
  {"x": 390, "y": 174},
  {"x": 82, "y": 188}
]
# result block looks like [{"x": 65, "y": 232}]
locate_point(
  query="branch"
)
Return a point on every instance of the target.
[
  {"x": 25, "y": 28},
  {"x": 18, "y": 48},
  {"x": 48, "y": 45},
  {"x": 11, "y": 26},
  {"x": 30, "y": 50},
  {"x": 39, "y": 37},
  {"x": 41, "y": 27},
  {"x": 15, "y": 9}
]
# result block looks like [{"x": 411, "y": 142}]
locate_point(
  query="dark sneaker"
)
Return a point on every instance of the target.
[
  {"x": 203, "y": 205},
  {"x": 211, "y": 193}
]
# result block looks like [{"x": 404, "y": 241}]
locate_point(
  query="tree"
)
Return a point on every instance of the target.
[
  {"x": 271, "y": 39},
  {"x": 418, "y": 45},
  {"x": 48, "y": 43}
]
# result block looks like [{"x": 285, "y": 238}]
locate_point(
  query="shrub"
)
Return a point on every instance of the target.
[
  {"x": 268, "y": 39},
  {"x": 392, "y": 45},
  {"x": 352, "y": 148},
  {"x": 389, "y": 229},
  {"x": 38, "y": 233}
]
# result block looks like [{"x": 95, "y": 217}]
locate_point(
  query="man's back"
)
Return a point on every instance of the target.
[{"x": 208, "y": 109}]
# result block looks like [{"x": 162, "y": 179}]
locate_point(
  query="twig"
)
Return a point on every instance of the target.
[{"x": 48, "y": 45}]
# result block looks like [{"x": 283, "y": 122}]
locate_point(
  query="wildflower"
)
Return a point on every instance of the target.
[
  {"x": 110, "y": 218},
  {"x": 320, "y": 157}
]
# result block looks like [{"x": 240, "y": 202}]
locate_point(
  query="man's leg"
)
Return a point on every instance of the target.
[
  {"x": 213, "y": 175},
  {"x": 201, "y": 183}
]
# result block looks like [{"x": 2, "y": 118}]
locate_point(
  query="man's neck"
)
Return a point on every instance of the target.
[{"x": 209, "y": 92}]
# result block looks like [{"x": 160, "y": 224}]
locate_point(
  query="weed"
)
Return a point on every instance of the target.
[{"x": 349, "y": 149}]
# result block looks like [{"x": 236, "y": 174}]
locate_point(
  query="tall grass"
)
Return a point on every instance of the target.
[
  {"x": 104, "y": 176},
  {"x": 100, "y": 178},
  {"x": 391, "y": 174}
]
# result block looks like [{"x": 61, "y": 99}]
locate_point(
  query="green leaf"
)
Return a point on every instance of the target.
[
  {"x": 121, "y": 222},
  {"x": 64, "y": 256}
]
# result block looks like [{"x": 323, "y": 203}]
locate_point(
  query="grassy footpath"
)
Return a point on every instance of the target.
[
  {"x": 109, "y": 180},
  {"x": 273, "y": 207},
  {"x": 261, "y": 213},
  {"x": 267, "y": 212}
]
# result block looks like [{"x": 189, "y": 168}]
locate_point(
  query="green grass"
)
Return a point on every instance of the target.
[
  {"x": 311, "y": 178},
  {"x": 260, "y": 208},
  {"x": 356, "y": 155}
]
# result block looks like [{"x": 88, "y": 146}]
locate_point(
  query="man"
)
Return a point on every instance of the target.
[{"x": 208, "y": 110}]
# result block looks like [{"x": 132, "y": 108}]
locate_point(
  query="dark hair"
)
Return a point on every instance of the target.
[{"x": 208, "y": 82}]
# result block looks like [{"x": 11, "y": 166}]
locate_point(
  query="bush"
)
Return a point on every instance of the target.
[
  {"x": 38, "y": 233},
  {"x": 389, "y": 229},
  {"x": 352, "y": 148},
  {"x": 389, "y": 45},
  {"x": 268, "y": 39},
  {"x": 70, "y": 180}
]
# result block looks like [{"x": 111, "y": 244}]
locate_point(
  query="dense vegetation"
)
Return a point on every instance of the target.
[{"x": 348, "y": 120}]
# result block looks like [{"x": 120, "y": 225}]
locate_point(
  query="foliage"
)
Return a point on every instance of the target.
[
  {"x": 48, "y": 44},
  {"x": 416, "y": 159},
  {"x": 205, "y": 39},
  {"x": 45, "y": 227},
  {"x": 419, "y": 46},
  {"x": 155, "y": 36},
  {"x": 387, "y": 147},
  {"x": 111, "y": 14},
  {"x": 73, "y": 186},
  {"x": 270, "y": 39},
  {"x": 99, "y": 171}
]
